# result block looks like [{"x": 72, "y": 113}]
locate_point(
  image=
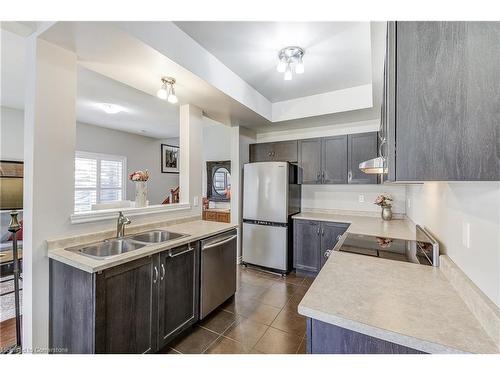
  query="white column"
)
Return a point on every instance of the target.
[
  {"x": 49, "y": 146},
  {"x": 190, "y": 159}
]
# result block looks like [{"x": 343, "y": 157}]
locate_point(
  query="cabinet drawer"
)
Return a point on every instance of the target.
[
  {"x": 211, "y": 216},
  {"x": 223, "y": 217}
]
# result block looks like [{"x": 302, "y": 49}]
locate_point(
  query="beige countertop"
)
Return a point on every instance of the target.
[
  {"x": 194, "y": 230},
  {"x": 405, "y": 303},
  {"x": 362, "y": 224}
]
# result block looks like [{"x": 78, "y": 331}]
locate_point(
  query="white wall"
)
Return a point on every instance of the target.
[
  {"x": 446, "y": 208},
  {"x": 11, "y": 134},
  {"x": 141, "y": 152},
  {"x": 216, "y": 147},
  {"x": 241, "y": 139},
  {"x": 346, "y": 197},
  {"x": 319, "y": 131}
]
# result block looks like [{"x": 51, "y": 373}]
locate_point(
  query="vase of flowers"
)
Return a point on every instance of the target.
[
  {"x": 385, "y": 201},
  {"x": 141, "y": 187}
]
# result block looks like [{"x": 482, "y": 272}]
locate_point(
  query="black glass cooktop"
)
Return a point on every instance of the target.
[{"x": 421, "y": 251}]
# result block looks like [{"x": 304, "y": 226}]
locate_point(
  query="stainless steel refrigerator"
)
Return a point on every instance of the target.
[{"x": 271, "y": 196}]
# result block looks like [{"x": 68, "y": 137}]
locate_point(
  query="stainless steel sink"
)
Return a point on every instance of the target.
[
  {"x": 117, "y": 246},
  {"x": 156, "y": 236},
  {"x": 109, "y": 248}
]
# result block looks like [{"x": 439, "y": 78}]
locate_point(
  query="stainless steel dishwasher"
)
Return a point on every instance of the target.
[{"x": 218, "y": 271}]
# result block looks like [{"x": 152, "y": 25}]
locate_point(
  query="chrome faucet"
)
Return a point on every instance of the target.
[{"x": 120, "y": 225}]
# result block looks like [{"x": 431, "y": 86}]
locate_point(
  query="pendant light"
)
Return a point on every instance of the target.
[{"x": 167, "y": 90}]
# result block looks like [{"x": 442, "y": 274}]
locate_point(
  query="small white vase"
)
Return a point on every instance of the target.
[{"x": 141, "y": 193}]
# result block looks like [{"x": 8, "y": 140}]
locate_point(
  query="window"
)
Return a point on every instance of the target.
[{"x": 99, "y": 178}]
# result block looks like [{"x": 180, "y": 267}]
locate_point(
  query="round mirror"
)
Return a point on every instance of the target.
[{"x": 221, "y": 181}]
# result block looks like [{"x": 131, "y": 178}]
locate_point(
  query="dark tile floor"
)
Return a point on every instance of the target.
[{"x": 261, "y": 318}]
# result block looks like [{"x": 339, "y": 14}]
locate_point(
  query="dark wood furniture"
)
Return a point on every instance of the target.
[
  {"x": 274, "y": 151},
  {"x": 324, "y": 338},
  {"x": 335, "y": 160},
  {"x": 136, "y": 307},
  {"x": 442, "y": 86},
  {"x": 222, "y": 216},
  {"x": 310, "y": 242}
]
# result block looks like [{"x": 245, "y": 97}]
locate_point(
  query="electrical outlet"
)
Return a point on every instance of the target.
[
  {"x": 409, "y": 203},
  {"x": 466, "y": 235},
  {"x": 195, "y": 201},
  {"x": 361, "y": 198}
]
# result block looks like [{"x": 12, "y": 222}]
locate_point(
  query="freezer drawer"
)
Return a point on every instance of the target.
[
  {"x": 218, "y": 271},
  {"x": 265, "y": 246}
]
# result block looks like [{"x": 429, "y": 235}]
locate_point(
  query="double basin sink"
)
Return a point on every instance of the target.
[{"x": 116, "y": 246}]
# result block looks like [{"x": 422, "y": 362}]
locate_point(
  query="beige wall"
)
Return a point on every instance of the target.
[
  {"x": 141, "y": 153},
  {"x": 446, "y": 209}
]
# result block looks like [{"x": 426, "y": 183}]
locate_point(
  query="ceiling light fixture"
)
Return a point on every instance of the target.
[
  {"x": 167, "y": 90},
  {"x": 110, "y": 108},
  {"x": 290, "y": 57}
]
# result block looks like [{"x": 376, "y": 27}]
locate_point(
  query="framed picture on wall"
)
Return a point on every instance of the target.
[{"x": 169, "y": 159}]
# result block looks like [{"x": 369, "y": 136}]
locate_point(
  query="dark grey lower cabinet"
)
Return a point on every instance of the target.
[
  {"x": 324, "y": 338},
  {"x": 126, "y": 308},
  {"x": 330, "y": 235},
  {"x": 306, "y": 245},
  {"x": 178, "y": 292},
  {"x": 136, "y": 307},
  {"x": 311, "y": 240}
]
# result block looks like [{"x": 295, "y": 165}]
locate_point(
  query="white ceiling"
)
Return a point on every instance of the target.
[
  {"x": 143, "y": 113},
  {"x": 338, "y": 54}
]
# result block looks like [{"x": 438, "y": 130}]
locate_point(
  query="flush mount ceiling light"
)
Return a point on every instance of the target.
[
  {"x": 167, "y": 90},
  {"x": 110, "y": 108},
  {"x": 290, "y": 57}
]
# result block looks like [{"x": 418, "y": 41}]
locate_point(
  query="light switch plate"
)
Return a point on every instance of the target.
[
  {"x": 361, "y": 198},
  {"x": 195, "y": 201}
]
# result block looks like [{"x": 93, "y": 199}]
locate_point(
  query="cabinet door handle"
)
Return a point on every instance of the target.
[
  {"x": 322, "y": 231},
  {"x": 317, "y": 231},
  {"x": 339, "y": 237},
  {"x": 318, "y": 177},
  {"x": 155, "y": 275},
  {"x": 327, "y": 253},
  {"x": 268, "y": 154},
  {"x": 349, "y": 176},
  {"x": 162, "y": 276},
  {"x": 323, "y": 176}
]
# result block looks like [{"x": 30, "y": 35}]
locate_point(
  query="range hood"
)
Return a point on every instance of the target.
[{"x": 373, "y": 166}]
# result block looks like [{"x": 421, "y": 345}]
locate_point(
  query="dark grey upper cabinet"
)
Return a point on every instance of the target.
[
  {"x": 334, "y": 160},
  {"x": 306, "y": 245},
  {"x": 447, "y": 101},
  {"x": 126, "y": 308},
  {"x": 310, "y": 161},
  {"x": 361, "y": 147},
  {"x": 274, "y": 151},
  {"x": 178, "y": 297}
]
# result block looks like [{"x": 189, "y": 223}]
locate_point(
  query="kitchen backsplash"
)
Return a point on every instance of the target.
[{"x": 347, "y": 197}]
